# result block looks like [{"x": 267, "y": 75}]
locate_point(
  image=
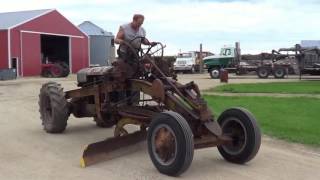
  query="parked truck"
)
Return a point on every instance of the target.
[
  {"x": 263, "y": 64},
  {"x": 189, "y": 61},
  {"x": 308, "y": 58}
]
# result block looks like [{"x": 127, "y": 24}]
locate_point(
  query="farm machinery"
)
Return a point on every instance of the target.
[
  {"x": 55, "y": 70},
  {"x": 174, "y": 119}
]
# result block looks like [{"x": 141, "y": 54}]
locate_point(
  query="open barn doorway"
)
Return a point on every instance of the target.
[{"x": 55, "y": 56}]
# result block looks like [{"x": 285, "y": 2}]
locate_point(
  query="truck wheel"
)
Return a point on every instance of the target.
[
  {"x": 279, "y": 73},
  {"x": 263, "y": 72},
  {"x": 214, "y": 73},
  {"x": 192, "y": 70},
  {"x": 242, "y": 127},
  {"x": 170, "y": 143},
  {"x": 54, "y": 111}
]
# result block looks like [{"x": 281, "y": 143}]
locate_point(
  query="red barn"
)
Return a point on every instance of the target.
[{"x": 30, "y": 38}]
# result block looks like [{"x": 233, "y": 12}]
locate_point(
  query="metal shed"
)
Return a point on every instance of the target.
[
  {"x": 102, "y": 49},
  {"x": 27, "y": 38}
]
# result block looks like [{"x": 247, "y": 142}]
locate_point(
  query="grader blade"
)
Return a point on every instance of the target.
[{"x": 112, "y": 148}]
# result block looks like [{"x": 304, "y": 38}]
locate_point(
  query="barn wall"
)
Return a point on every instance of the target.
[
  {"x": 3, "y": 49},
  {"x": 52, "y": 22},
  {"x": 16, "y": 47},
  {"x": 31, "y": 62},
  {"x": 79, "y": 54}
]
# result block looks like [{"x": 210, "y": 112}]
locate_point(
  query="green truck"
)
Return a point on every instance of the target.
[{"x": 230, "y": 58}]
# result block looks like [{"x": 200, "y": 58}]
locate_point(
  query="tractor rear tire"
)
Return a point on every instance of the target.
[
  {"x": 46, "y": 73},
  {"x": 65, "y": 69},
  {"x": 54, "y": 110},
  {"x": 56, "y": 70},
  {"x": 170, "y": 143},
  {"x": 241, "y": 126}
]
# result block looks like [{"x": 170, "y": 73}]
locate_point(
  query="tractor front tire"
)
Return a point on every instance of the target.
[
  {"x": 170, "y": 143},
  {"x": 53, "y": 107},
  {"x": 241, "y": 126}
]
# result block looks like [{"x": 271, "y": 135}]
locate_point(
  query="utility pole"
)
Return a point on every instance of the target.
[{"x": 201, "y": 59}]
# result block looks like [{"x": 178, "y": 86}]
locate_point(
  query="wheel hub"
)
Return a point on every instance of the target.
[
  {"x": 164, "y": 144},
  {"x": 215, "y": 73},
  {"x": 235, "y": 129}
]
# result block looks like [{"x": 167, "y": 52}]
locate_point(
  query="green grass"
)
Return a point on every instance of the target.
[
  {"x": 301, "y": 87},
  {"x": 295, "y": 119}
]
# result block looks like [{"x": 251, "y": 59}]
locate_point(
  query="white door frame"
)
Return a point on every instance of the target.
[{"x": 36, "y": 32}]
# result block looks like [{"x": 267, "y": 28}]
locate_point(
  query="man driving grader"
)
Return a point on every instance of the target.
[{"x": 174, "y": 120}]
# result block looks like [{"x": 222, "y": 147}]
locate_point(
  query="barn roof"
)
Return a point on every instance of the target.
[
  {"x": 9, "y": 20},
  {"x": 93, "y": 30}
]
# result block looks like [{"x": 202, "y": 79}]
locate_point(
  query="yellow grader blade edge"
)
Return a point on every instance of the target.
[{"x": 112, "y": 148}]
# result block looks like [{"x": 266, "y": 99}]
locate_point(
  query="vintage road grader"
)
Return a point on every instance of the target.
[{"x": 174, "y": 119}]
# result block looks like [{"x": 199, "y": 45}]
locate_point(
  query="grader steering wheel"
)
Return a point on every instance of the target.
[{"x": 139, "y": 53}]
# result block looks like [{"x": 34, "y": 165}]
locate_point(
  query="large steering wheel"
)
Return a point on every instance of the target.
[{"x": 140, "y": 52}]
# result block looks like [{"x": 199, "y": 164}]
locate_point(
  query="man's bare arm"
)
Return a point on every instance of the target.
[
  {"x": 147, "y": 42},
  {"x": 120, "y": 36}
]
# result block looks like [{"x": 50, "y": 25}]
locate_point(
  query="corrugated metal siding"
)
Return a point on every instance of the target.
[
  {"x": 93, "y": 30},
  {"x": 99, "y": 50},
  {"x": 100, "y": 43},
  {"x": 3, "y": 49}
]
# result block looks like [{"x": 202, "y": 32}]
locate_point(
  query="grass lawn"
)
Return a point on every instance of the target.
[
  {"x": 295, "y": 119},
  {"x": 302, "y": 87}
]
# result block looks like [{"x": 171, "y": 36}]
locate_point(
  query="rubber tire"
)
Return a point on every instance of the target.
[
  {"x": 281, "y": 76},
  {"x": 253, "y": 135},
  {"x": 56, "y": 121},
  {"x": 262, "y": 76},
  {"x": 193, "y": 70},
  {"x": 184, "y": 137},
  {"x": 66, "y": 69},
  {"x": 212, "y": 76},
  {"x": 61, "y": 69},
  {"x": 46, "y": 73}
]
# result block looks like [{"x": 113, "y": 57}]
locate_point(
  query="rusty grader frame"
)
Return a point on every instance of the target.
[{"x": 166, "y": 97}]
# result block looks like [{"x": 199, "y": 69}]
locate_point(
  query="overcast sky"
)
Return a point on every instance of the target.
[{"x": 259, "y": 25}]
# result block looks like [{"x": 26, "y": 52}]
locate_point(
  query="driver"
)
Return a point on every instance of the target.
[{"x": 128, "y": 32}]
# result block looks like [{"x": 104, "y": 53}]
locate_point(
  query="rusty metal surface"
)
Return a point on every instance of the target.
[
  {"x": 165, "y": 144},
  {"x": 107, "y": 91},
  {"x": 110, "y": 148},
  {"x": 211, "y": 141},
  {"x": 158, "y": 91}
]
